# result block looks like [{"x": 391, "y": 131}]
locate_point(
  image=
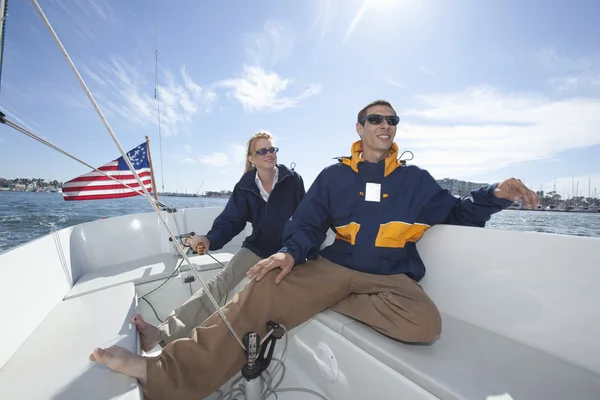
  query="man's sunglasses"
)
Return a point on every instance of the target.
[
  {"x": 264, "y": 151},
  {"x": 376, "y": 119}
]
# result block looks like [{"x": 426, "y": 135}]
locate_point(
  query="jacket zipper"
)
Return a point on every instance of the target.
[{"x": 267, "y": 202}]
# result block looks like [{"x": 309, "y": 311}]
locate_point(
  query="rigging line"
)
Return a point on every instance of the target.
[
  {"x": 157, "y": 97},
  {"x": 3, "y": 11},
  {"x": 147, "y": 195},
  {"x": 32, "y": 135}
]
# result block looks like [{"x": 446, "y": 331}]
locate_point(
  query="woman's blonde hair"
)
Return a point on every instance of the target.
[{"x": 250, "y": 147}]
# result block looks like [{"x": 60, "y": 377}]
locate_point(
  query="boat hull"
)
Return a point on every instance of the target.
[{"x": 519, "y": 314}]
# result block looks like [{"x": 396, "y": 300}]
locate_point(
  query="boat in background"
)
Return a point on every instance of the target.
[{"x": 519, "y": 312}]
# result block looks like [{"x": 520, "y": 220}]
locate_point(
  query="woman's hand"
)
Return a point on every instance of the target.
[{"x": 200, "y": 244}]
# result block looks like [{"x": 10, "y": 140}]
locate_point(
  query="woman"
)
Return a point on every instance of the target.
[{"x": 264, "y": 182}]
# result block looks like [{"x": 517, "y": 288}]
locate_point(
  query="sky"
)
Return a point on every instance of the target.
[{"x": 485, "y": 90}]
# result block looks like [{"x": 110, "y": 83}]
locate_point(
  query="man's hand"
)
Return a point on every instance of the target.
[
  {"x": 514, "y": 189},
  {"x": 285, "y": 261},
  {"x": 200, "y": 243}
]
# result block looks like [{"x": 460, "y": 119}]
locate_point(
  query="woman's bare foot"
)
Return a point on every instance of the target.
[
  {"x": 150, "y": 335},
  {"x": 122, "y": 360}
]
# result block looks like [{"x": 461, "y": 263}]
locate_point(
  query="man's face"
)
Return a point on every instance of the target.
[{"x": 376, "y": 133}]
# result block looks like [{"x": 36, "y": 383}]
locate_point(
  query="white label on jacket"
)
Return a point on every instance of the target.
[{"x": 373, "y": 192}]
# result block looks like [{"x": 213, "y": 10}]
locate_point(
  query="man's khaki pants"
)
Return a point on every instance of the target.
[{"x": 195, "y": 367}]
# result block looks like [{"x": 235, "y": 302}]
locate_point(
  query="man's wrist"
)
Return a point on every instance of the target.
[
  {"x": 497, "y": 200},
  {"x": 289, "y": 256}
]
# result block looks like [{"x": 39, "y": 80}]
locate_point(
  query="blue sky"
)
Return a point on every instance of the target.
[{"x": 485, "y": 91}]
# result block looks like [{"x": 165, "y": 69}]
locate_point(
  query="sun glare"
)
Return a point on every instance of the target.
[
  {"x": 394, "y": 6},
  {"x": 384, "y": 2}
]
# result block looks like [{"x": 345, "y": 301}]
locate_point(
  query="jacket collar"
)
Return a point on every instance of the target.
[
  {"x": 247, "y": 181},
  {"x": 391, "y": 162}
]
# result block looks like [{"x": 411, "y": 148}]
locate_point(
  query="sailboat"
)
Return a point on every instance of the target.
[{"x": 520, "y": 316}]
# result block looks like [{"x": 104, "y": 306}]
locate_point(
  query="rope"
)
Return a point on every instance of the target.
[
  {"x": 32, "y": 135},
  {"x": 3, "y": 33},
  {"x": 122, "y": 151},
  {"x": 271, "y": 389},
  {"x": 157, "y": 97},
  {"x": 152, "y": 307}
]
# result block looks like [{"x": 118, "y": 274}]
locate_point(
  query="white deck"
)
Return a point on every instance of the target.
[
  {"x": 519, "y": 310},
  {"x": 53, "y": 364}
]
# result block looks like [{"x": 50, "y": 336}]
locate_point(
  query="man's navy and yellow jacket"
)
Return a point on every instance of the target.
[{"x": 379, "y": 237}]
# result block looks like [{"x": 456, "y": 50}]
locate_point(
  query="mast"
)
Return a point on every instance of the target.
[{"x": 157, "y": 97}]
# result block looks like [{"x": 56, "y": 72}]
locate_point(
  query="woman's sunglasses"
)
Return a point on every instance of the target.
[
  {"x": 376, "y": 119},
  {"x": 264, "y": 151}
]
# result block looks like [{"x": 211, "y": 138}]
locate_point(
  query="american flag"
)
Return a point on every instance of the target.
[{"x": 96, "y": 186}]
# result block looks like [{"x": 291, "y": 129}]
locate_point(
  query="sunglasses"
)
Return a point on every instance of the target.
[
  {"x": 376, "y": 119},
  {"x": 264, "y": 151}
]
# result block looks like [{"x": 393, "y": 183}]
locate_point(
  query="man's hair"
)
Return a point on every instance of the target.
[{"x": 363, "y": 113}]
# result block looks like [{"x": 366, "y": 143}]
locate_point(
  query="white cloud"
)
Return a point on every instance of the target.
[
  {"x": 427, "y": 71},
  {"x": 393, "y": 82},
  {"x": 357, "y": 17},
  {"x": 187, "y": 148},
  {"x": 259, "y": 90},
  {"x": 27, "y": 93},
  {"x": 387, "y": 78},
  {"x": 100, "y": 8},
  {"x": 259, "y": 87},
  {"x": 271, "y": 45},
  {"x": 566, "y": 83},
  {"x": 569, "y": 74},
  {"x": 400, "y": 12},
  {"x": 75, "y": 100},
  {"x": 125, "y": 92},
  {"x": 215, "y": 159},
  {"x": 325, "y": 13},
  {"x": 94, "y": 76},
  {"x": 481, "y": 129},
  {"x": 188, "y": 161},
  {"x": 313, "y": 88},
  {"x": 235, "y": 158},
  {"x": 551, "y": 60},
  {"x": 238, "y": 154},
  {"x": 83, "y": 17},
  {"x": 21, "y": 120}
]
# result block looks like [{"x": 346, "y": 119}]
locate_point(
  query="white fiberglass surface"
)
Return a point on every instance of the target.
[{"x": 536, "y": 288}]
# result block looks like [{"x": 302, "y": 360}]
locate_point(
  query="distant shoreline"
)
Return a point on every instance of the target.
[
  {"x": 224, "y": 196},
  {"x": 555, "y": 210},
  {"x": 193, "y": 195}
]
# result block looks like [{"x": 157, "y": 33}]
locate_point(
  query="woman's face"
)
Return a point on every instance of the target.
[{"x": 261, "y": 156}]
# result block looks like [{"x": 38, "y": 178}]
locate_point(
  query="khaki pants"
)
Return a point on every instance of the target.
[
  {"x": 194, "y": 368},
  {"x": 180, "y": 322}
]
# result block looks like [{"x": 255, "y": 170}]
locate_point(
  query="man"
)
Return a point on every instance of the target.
[{"x": 379, "y": 208}]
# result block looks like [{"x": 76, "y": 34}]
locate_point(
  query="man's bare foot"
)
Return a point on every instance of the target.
[
  {"x": 150, "y": 335},
  {"x": 122, "y": 360}
]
